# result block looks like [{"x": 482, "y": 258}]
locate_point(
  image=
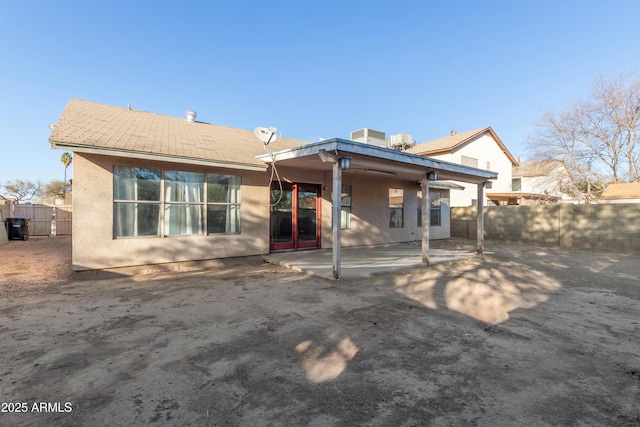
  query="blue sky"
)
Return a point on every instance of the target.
[{"x": 312, "y": 69}]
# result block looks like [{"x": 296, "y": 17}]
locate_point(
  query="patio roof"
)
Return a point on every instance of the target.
[{"x": 371, "y": 159}]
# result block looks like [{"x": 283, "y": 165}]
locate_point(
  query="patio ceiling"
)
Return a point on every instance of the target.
[{"x": 374, "y": 160}]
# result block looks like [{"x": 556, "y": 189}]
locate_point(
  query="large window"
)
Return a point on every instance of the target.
[
  {"x": 396, "y": 208},
  {"x": 345, "y": 207},
  {"x": 148, "y": 202},
  {"x": 136, "y": 207},
  {"x": 435, "y": 208},
  {"x": 223, "y": 204}
]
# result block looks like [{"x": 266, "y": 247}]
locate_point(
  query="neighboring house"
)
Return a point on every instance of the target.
[
  {"x": 547, "y": 180},
  {"x": 621, "y": 193},
  {"x": 152, "y": 189},
  {"x": 480, "y": 148}
]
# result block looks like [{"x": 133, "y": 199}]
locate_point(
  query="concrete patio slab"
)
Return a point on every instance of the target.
[{"x": 364, "y": 261}]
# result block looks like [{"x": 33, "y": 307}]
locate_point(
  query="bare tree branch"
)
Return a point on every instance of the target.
[{"x": 597, "y": 139}]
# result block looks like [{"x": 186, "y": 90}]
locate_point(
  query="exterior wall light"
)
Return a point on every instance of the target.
[{"x": 345, "y": 163}]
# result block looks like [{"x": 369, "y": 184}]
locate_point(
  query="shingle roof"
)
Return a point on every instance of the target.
[
  {"x": 449, "y": 143},
  {"x": 539, "y": 168},
  {"x": 93, "y": 127},
  {"x": 621, "y": 191}
]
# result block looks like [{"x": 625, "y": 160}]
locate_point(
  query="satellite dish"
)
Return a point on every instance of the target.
[{"x": 266, "y": 135}]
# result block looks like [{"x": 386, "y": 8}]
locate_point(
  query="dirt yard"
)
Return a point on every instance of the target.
[{"x": 522, "y": 336}]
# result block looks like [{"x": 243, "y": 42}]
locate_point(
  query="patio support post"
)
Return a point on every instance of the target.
[
  {"x": 480, "y": 218},
  {"x": 335, "y": 218},
  {"x": 425, "y": 218}
]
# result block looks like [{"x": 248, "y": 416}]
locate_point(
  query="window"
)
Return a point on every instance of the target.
[
  {"x": 223, "y": 203},
  {"x": 150, "y": 203},
  {"x": 488, "y": 166},
  {"x": 469, "y": 161},
  {"x": 136, "y": 207},
  {"x": 396, "y": 208},
  {"x": 516, "y": 184},
  {"x": 419, "y": 208},
  {"x": 435, "y": 212},
  {"x": 345, "y": 209},
  {"x": 183, "y": 197}
]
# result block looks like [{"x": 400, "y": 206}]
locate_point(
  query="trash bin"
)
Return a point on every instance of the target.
[{"x": 18, "y": 228}]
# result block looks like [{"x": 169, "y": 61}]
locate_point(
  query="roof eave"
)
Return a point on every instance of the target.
[{"x": 155, "y": 157}]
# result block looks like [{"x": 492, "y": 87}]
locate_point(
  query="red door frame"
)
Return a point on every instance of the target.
[{"x": 295, "y": 244}]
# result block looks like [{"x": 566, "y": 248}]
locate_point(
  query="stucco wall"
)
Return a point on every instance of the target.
[
  {"x": 95, "y": 248},
  {"x": 607, "y": 227},
  {"x": 370, "y": 213},
  {"x": 485, "y": 149},
  {"x": 370, "y": 208},
  {"x": 551, "y": 184}
]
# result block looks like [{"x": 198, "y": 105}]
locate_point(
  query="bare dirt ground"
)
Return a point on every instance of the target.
[{"x": 522, "y": 336}]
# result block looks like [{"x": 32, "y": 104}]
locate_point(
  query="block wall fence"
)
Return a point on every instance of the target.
[{"x": 614, "y": 227}]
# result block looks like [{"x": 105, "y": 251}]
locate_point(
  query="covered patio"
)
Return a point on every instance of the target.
[
  {"x": 357, "y": 262},
  {"x": 338, "y": 155}
]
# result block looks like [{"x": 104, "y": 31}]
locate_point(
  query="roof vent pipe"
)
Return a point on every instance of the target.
[
  {"x": 454, "y": 132},
  {"x": 191, "y": 115}
]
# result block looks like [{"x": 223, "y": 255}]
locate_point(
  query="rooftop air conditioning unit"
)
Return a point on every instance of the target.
[
  {"x": 370, "y": 136},
  {"x": 401, "y": 141}
]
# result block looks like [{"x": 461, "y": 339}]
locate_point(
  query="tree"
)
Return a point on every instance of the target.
[
  {"x": 596, "y": 138},
  {"x": 55, "y": 189},
  {"x": 22, "y": 190},
  {"x": 66, "y": 160}
]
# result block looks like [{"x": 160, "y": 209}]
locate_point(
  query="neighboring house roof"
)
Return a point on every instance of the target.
[
  {"x": 621, "y": 191},
  {"x": 457, "y": 140},
  {"x": 533, "y": 169},
  {"x": 118, "y": 131}
]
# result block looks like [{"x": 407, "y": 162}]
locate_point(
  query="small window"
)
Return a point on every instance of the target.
[
  {"x": 435, "y": 208},
  {"x": 435, "y": 211},
  {"x": 419, "y": 208},
  {"x": 488, "y": 166},
  {"x": 223, "y": 204},
  {"x": 396, "y": 208},
  {"x": 469, "y": 161},
  {"x": 345, "y": 207},
  {"x": 516, "y": 184}
]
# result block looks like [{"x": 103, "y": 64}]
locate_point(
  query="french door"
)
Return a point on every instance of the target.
[{"x": 295, "y": 216}]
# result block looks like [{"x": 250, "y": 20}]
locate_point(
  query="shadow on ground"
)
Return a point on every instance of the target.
[{"x": 522, "y": 336}]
